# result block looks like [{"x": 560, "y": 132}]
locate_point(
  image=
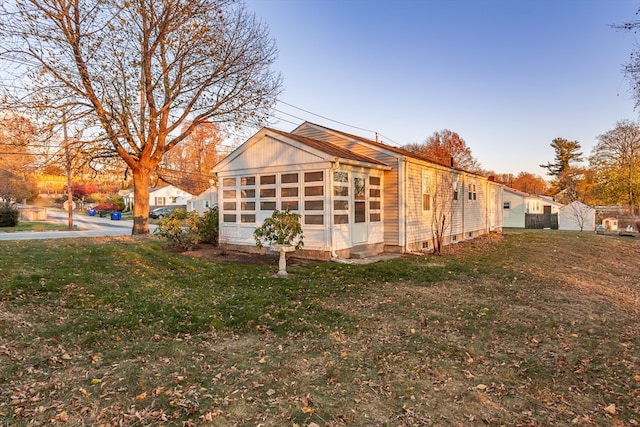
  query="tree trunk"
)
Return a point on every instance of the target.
[{"x": 141, "y": 184}]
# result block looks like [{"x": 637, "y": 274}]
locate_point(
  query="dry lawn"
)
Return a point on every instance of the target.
[{"x": 528, "y": 329}]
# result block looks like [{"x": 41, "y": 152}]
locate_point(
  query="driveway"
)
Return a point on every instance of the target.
[{"x": 89, "y": 226}]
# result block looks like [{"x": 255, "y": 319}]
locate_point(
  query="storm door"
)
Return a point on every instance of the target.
[{"x": 359, "y": 228}]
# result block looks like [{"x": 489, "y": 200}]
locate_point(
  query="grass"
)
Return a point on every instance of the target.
[
  {"x": 34, "y": 226},
  {"x": 533, "y": 328}
]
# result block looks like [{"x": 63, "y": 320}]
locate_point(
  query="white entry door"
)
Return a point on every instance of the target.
[{"x": 359, "y": 226}]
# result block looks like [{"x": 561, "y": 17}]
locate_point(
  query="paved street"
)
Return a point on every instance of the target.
[{"x": 89, "y": 226}]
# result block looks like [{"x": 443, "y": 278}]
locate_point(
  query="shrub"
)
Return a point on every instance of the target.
[
  {"x": 117, "y": 200},
  {"x": 9, "y": 215},
  {"x": 181, "y": 228},
  {"x": 282, "y": 228},
  {"x": 208, "y": 226}
]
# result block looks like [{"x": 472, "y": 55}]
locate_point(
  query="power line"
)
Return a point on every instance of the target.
[{"x": 331, "y": 120}]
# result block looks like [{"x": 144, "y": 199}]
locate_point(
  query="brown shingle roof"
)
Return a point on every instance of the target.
[{"x": 328, "y": 148}]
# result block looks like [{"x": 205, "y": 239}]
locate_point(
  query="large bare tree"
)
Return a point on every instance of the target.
[
  {"x": 447, "y": 148},
  {"x": 139, "y": 70},
  {"x": 616, "y": 162}
]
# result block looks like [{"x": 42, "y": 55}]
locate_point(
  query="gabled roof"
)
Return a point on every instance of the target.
[
  {"x": 328, "y": 151},
  {"x": 545, "y": 199},
  {"x": 396, "y": 150},
  {"x": 328, "y": 148}
]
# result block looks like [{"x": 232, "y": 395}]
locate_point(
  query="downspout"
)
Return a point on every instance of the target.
[
  {"x": 464, "y": 202},
  {"x": 403, "y": 187},
  {"x": 335, "y": 165}
]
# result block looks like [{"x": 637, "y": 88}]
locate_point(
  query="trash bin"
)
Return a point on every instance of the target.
[
  {"x": 92, "y": 212},
  {"x": 116, "y": 216}
]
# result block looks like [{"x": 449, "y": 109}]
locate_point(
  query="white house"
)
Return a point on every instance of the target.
[
  {"x": 204, "y": 201},
  {"x": 577, "y": 216},
  {"x": 164, "y": 195},
  {"x": 354, "y": 195},
  {"x": 517, "y": 204}
]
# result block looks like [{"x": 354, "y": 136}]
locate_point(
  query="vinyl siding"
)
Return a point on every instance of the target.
[{"x": 392, "y": 184}]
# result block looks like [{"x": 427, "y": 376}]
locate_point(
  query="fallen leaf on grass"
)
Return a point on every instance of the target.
[
  {"x": 637, "y": 378},
  {"x": 611, "y": 409},
  {"x": 307, "y": 410},
  {"x": 63, "y": 416},
  {"x": 141, "y": 396}
]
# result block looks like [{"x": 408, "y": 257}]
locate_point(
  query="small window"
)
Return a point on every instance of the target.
[
  {"x": 229, "y": 182},
  {"x": 374, "y": 180},
  {"x": 426, "y": 202},
  {"x": 374, "y": 204},
  {"x": 506, "y": 205},
  {"x": 341, "y": 205},
  {"x": 229, "y": 218},
  {"x": 247, "y": 218},
  {"x": 289, "y": 178},
  {"x": 267, "y": 206},
  {"x": 248, "y": 193},
  {"x": 341, "y": 177},
  {"x": 248, "y": 180},
  {"x": 455, "y": 196},
  {"x": 248, "y": 206},
  {"x": 289, "y": 205},
  {"x": 360, "y": 212},
  {"x": 313, "y": 176},
  {"x": 267, "y": 192},
  {"x": 314, "y": 219},
  {"x": 340, "y": 191},
  {"x": 426, "y": 191},
  {"x": 267, "y": 179},
  {"x": 228, "y": 194},
  {"x": 374, "y": 192},
  {"x": 314, "y": 205},
  {"x": 289, "y": 192},
  {"x": 314, "y": 191},
  {"x": 341, "y": 219},
  {"x": 229, "y": 206},
  {"x": 374, "y": 217}
]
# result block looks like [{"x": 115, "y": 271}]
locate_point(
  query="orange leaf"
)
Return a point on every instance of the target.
[{"x": 141, "y": 396}]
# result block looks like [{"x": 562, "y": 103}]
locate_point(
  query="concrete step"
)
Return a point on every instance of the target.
[{"x": 362, "y": 252}]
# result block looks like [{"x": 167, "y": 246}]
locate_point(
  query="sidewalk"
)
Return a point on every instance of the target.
[{"x": 89, "y": 226}]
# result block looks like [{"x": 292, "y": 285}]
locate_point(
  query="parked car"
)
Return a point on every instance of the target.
[{"x": 159, "y": 212}]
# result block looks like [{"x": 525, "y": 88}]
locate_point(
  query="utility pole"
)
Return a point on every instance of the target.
[{"x": 68, "y": 167}]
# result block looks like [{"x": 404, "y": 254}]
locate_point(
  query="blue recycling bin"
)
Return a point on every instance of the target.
[
  {"x": 115, "y": 216},
  {"x": 92, "y": 212}
]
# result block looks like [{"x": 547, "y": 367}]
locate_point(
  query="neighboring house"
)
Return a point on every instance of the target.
[
  {"x": 355, "y": 196},
  {"x": 517, "y": 205},
  {"x": 127, "y": 198},
  {"x": 165, "y": 195},
  {"x": 204, "y": 201},
  {"x": 610, "y": 223},
  {"x": 577, "y": 216}
]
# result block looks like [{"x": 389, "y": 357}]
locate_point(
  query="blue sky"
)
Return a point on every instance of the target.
[{"x": 509, "y": 76}]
